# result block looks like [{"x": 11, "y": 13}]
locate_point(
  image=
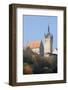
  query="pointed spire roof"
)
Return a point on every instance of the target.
[
  {"x": 48, "y": 34},
  {"x": 48, "y": 30},
  {"x": 41, "y": 42},
  {"x": 44, "y": 35}
]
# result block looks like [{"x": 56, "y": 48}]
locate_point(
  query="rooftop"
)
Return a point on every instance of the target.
[{"x": 34, "y": 44}]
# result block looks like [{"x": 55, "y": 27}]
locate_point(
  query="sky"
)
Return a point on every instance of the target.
[{"x": 36, "y": 26}]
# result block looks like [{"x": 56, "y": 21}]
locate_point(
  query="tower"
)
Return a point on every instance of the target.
[
  {"x": 48, "y": 42},
  {"x": 41, "y": 48}
]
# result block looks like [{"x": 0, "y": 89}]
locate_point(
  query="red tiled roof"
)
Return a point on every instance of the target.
[{"x": 34, "y": 44}]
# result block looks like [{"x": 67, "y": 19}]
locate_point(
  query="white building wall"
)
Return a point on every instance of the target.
[
  {"x": 55, "y": 51},
  {"x": 36, "y": 50}
]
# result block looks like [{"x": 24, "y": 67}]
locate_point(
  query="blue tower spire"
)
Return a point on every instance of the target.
[{"x": 48, "y": 29}]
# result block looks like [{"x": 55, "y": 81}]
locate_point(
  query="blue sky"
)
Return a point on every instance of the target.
[{"x": 36, "y": 26}]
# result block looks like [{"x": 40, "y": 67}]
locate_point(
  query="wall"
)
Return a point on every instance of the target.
[{"x": 4, "y": 44}]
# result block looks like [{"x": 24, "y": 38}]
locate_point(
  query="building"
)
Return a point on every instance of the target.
[
  {"x": 43, "y": 49},
  {"x": 55, "y": 51},
  {"x": 37, "y": 47},
  {"x": 48, "y": 45}
]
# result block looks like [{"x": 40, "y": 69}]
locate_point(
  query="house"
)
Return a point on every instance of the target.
[{"x": 37, "y": 47}]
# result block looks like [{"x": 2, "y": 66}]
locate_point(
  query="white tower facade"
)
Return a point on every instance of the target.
[{"x": 48, "y": 46}]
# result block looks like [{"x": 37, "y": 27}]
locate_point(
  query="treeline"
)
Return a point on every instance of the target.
[{"x": 36, "y": 64}]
